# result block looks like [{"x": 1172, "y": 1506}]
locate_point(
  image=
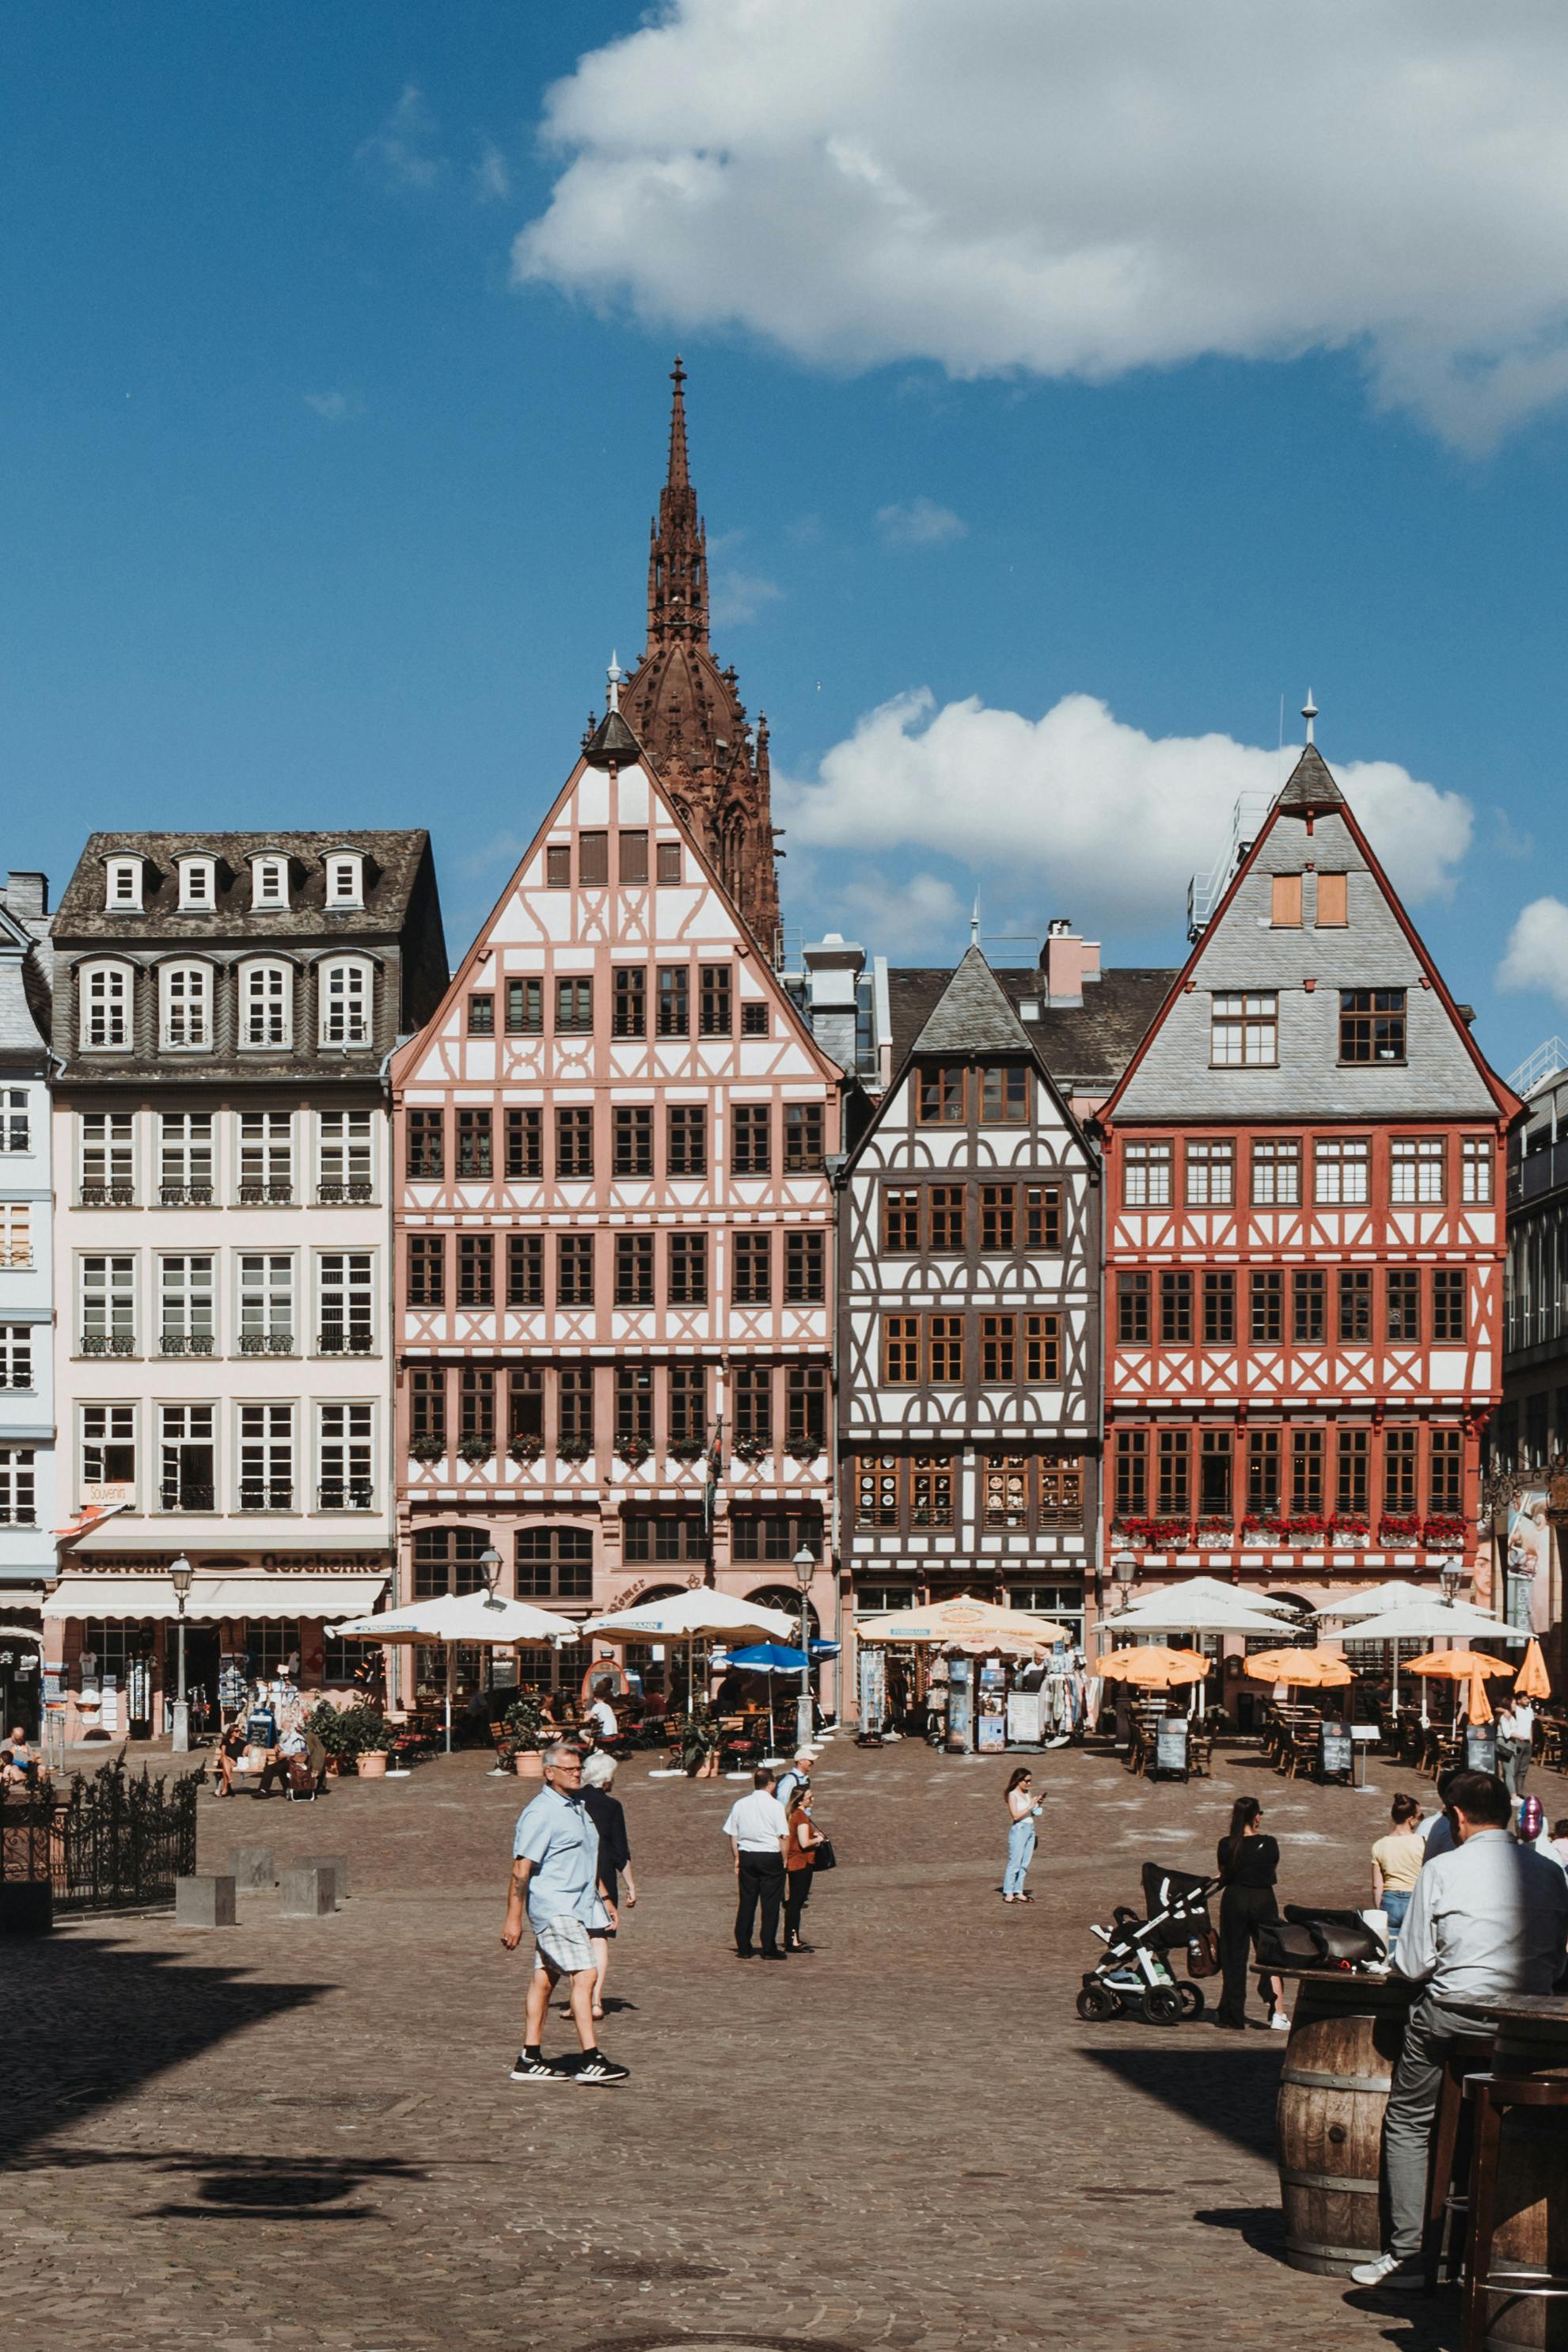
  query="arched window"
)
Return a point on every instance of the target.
[
  {"x": 105, "y": 1004},
  {"x": 266, "y": 1004},
  {"x": 346, "y": 1001},
  {"x": 187, "y": 1006},
  {"x": 446, "y": 1559}
]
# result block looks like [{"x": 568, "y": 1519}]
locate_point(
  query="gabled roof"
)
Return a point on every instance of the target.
[
  {"x": 972, "y": 1015},
  {"x": 1085, "y": 1046},
  {"x": 1310, "y": 786}
]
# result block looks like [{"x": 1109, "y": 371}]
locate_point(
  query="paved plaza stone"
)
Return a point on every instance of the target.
[{"x": 302, "y": 2133}]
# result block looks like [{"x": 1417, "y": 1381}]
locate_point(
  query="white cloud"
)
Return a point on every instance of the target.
[
  {"x": 1104, "y": 822},
  {"x": 1537, "y": 952},
  {"x": 492, "y": 175},
  {"x": 1081, "y": 187},
  {"x": 336, "y": 407},
  {"x": 899, "y": 918},
  {"x": 920, "y": 523},
  {"x": 400, "y": 151},
  {"x": 739, "y": 596}
]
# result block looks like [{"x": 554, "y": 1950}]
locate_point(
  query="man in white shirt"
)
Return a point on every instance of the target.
[
  {"x": 1488, "y": 1920},
  {"x": 758, "y": 1829},
  {"x": 603, "y": 1717},
  {"x": 1515, "y": 1740},
  {"x": 798, "y": 1776}
]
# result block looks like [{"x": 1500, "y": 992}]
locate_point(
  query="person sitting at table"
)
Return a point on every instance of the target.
[
  {"x": 231, "y": 1747},
  {"x": 602, "y": 1715},
  {"x": 1486, "y": 1921}
]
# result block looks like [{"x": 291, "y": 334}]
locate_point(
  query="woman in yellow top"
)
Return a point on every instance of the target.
[{"x": 1396, "y": 1862}]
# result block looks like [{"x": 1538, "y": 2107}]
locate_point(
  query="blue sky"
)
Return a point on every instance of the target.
[{"x": 324, "y": 498}]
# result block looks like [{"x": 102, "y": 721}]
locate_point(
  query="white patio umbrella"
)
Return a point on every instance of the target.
[
  {"x": 456, "y": 1620},
  {"x": 1202, "y": 1606},
  {"x": 1429, "y": 1619},
  {"x": 699, "y": 1613},
  {"x": 1376, "y": 1600}
]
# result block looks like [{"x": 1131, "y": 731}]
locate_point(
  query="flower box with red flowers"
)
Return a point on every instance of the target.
[
  {"x": 1399, "y": 1527},
  {"x": 1157, "y": 1534},
  {"x": 1445, "y": 1532}
]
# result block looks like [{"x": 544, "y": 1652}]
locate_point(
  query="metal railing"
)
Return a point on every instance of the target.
[
  {"x": 344, "y": 1339},
  {"x": 109, "y": 1196},
  {"x": 354, "y": 1188},
  {"x": 266, "y": 1343},
  {"x": 111, "y": 1844},
  {"x": 185, "y": 1343},
  {"x": 350, "y": 1495},
  {"x": 108, "y": 1343},
  {"x": 253, "y": 1195},
  {"x": 185, "y": 1196},
  {"x": 1205, "y": 891},
  {"x": 1543, "y": 1064}
]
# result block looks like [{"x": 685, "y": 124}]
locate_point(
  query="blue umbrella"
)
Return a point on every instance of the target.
[{"x": 768, "y": 1658}]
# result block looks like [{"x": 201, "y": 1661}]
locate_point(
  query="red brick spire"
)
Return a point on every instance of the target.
[{"x": 677, "y": 561}]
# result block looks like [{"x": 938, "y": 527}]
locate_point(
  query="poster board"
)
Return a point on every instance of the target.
[
  {"x": 1527, "y": 1574},
  {"x": 1337, "y": 1750},
  {"x": 1025, "y": 1711},
  {"x": 1170, "y": 1744}
]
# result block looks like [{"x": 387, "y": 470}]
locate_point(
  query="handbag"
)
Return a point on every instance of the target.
[
  {"x": 823, "y": 1855},
  {"x": 1342, "y": 1935},
  {"x": 1203, "y": 1953}
]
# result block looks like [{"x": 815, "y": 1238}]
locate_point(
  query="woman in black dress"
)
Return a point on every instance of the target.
[{"x": 1248, "y": 1865}]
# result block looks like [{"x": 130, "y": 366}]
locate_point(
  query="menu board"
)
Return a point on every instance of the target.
[
  {"x": 1170, "y": 1744},
  {"x": 1336, "y": 1749}
]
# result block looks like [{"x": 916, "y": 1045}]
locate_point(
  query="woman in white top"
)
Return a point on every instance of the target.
[{"x": 1515, "y": 1741}]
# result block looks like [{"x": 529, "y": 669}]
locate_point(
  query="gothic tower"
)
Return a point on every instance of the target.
[{"x": 685, "y": 713}]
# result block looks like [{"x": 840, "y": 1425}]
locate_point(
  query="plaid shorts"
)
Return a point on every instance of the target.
[{"x": 561, "y": 1946}]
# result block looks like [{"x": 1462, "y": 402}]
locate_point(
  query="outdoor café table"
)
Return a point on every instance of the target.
[
  {"x": 1346, "y": 2033},
  {"x": 1531, "y": 2209}
]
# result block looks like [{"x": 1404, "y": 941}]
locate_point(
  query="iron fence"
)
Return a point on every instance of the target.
[{"x": 113, "y": 1842}]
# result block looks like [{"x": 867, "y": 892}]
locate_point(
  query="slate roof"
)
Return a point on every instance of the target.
[
  {"x": 1085, "y": 1046},
  {"x": 25, "y": 968},
  {"x": 1310, "y": 785},
  {"x": 972, "y": 1015},
  {"x": 393, "y": 862},
  {"x": 613, "y": 739}
]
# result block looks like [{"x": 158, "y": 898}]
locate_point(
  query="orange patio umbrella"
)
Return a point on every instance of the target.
[
  {"x": 1458, "y": 1666},
  {"x": 1532, "y": 1681},
  {"x": 1478, "y": 1706},
  {"x": 1153, "y": 1667},
  {"x": 1315, "y": 1669}
]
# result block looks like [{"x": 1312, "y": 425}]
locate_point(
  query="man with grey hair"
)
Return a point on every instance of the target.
[
  {"x": 797, "y": 1778},
  {"x": 558, "y": 1877},
  {"x": 758, "y": 1831}
]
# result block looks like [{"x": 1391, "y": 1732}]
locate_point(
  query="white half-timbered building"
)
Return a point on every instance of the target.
[
  {"x": 614, "y": 1230},
  {"x": 968, "y": 1326}
]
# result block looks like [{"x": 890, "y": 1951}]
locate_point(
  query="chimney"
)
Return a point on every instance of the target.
[
  {"x": 833, "y": 967},
  {"x": 1067, "y": 961},
  {"x": 27, "y": 895}
]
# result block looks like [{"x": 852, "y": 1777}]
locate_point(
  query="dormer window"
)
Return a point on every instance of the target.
[
  {"x": 269, "y": 882},
  {"x": 198, "y": 886},
  {"x": 345, "y": 881},
  {"x": 123, "y": 890}
]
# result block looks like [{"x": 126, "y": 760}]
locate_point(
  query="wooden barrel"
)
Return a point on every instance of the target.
[
  {"x": 1345, "y": 2037},
  {"x": 1531, "y": 2190}
]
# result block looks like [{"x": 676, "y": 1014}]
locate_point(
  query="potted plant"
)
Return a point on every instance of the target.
[
  {"x": 475, "y": 1449},
  {"x": 524, "y": 1725},
  {"x": 752, "y": 1449},
  {"x": 375, "y": 1746},
  {"x": 427, "y": 1449},
  {"x": 699, "y": 1744},
  {"x": 525, "y": 1448},
  {"x": 633, "y": 1450},
  {"x": 686, "y": 1449},
  {"x": 574, "y": 1449}
]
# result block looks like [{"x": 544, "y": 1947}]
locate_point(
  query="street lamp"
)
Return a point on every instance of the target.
[
  {"x": 490, "y": 1568},
  {"x": 181, "y": 1574},
  {"x": 1449, "y": 1577},
  {"x": 805, "y": 1569},
  {"x": 1124, "y": 1569}
]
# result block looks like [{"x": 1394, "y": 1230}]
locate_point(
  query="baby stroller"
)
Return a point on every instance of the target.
[{"x": 1136, "y": 1972}]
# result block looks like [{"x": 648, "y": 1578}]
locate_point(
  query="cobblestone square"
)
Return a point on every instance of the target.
[{"x": 301, "y": 2133}]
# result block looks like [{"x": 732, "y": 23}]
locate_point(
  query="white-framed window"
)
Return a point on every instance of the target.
[
  {"x": 1415, "y": 1169},
  {"x": 104, "y": 998},
  {"x": 185, "y": 1158},
  {"x": 187, "y": 1006},
  {"x": 187, "y": 1320},
  {"x": 345, "y": 880},
  {"x": 1277, "y": 1172},
  {"x": 15, "y": 1233},
  {"x": 346, "y": 1161},
  {"x": 266, "y": 1156},
  {"x": 106, "y": 1159},
  {"x": 108, "y": 1446},
  {"x": 1147, "y": 1176},
  {"x": 16, "y": 1355},
  {"x": 198, "y": 886},
  {"x": 345, "y": 984},
  {"x": 108, "y": 1291},
  {"x": 14, "y": 1122},
  {"x": 188, "y": 1458},
  {"x": 269, "y": 881},
  {"x": 266, "y": 1303},
  {"x": 1476, "y": 1162},
  {"x": 1342, "y": 1171},
  {"x": 1244, "y": 1031},
  {"x": 1211, "y": 1174},
  {"x": 122, "y": 887},
  {"x": 266, "y": 1004},
  {"x": 346, "y": 1288},
  {"x": 18, "y": 1487},
  {"x": 344, "y": 1457},
  {"x": 267, "y": 1457}
]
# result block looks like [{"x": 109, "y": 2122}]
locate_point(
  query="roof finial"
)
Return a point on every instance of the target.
[
  {"x": 678, "y": 476},
  {"x": 1308, "y": 712},
  {"x": 975, "y": 923},
  {"x": 613, "y": 677}
]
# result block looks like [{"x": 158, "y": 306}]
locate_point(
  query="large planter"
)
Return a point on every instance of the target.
[
  {"x": 528, "y": 1764},
  {"x": 372, "y": 1764}
]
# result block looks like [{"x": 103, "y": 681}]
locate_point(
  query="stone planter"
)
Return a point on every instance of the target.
[
  {"x": 372, "y": 1764},
  {"x": 528, "y": 1764}
]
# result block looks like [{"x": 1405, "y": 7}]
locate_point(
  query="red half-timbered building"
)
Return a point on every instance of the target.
[{"x": 1303, "y": 1235}]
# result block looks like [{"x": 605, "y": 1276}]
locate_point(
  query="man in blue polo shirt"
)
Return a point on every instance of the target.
[{"x": 556, "y": 1875}]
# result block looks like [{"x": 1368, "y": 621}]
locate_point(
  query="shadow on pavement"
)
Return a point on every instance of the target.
[
  {"x": 1226, "y": 2086},
  {"x": 278, "y": 2189},
  {"x": 88, "y": 2020}
]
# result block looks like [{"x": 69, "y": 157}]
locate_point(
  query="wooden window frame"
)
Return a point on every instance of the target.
[{"x": 941, "y": 1095}]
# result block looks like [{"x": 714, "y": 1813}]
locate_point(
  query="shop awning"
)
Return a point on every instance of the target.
[{"x": 259, "y": 1598}]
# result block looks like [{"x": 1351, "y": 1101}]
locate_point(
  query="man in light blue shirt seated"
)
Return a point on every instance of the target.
[
  {"x": 1488, "y": 1920},
  {"x": 556, "y": 1875}
]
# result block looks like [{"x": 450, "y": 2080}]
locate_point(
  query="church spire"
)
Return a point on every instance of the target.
[{"x": 677, "y": 561}]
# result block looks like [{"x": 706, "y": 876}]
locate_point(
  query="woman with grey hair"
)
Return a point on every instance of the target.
[{"x": 614, "y": 1858}]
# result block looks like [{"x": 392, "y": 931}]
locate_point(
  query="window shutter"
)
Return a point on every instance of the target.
[
  {"x": 1333, "y": 913},
  {"x": 1287, "y": 901}
]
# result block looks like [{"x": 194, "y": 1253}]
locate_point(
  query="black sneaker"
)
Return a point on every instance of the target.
[
  {"x": 601, "y": 2071},
  {"x": 538, "y": 2069}
]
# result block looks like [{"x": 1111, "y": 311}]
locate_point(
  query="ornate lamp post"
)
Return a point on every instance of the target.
[
  {"x": 805, "y": 1569},
  {"x": 181, "y": 1574}
]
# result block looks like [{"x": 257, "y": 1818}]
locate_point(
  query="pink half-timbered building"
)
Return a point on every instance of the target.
[{"x": 614, "y": 1229}]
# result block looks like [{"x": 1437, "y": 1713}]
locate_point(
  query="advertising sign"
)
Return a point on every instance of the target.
[
  {"x": 1170, "y": 1744},
  {"x": 1529, "y": 1569}
]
